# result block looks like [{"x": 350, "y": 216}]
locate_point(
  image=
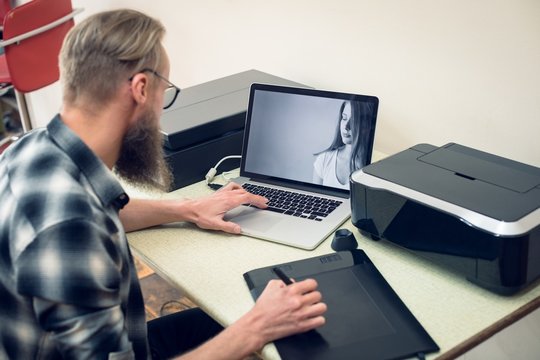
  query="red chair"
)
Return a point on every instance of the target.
[
  {"x": 33, "y": 36},
  {"x": 5, "y": 6}
]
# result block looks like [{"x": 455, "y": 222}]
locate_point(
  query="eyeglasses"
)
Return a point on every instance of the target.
[{"x": 171, "y": 92}]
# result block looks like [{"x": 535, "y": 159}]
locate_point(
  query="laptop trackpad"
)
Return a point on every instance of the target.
[{"x": 248, "y": 218}]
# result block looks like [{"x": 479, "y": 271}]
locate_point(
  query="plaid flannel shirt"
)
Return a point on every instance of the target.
[{"x": 68, "y": 285}]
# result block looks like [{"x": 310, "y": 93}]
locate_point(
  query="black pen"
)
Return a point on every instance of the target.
[{"x": 282, "y": 276}]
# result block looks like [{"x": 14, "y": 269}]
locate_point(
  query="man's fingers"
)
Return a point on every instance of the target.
[
  {"x": 226, "y": 226},
  {"x": 312, "y": 323},
  {"x": 244, "y": 197},
  {"x": 313, "y": 310},
  {"x": 231, "y": 186},
  {"x": 251, "y": 199},
  {"x": 259, "y": 201},
  {"x": 305, "y": 286},
  {"x": 231, "y": 228},
  {"x": 312, "y": 297}
]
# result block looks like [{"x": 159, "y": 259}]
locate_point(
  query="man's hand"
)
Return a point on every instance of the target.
[
  {"x": 208, "y": 211},
  {"x": 280, "y": 311},
  {"x": 285, "y": 310}
]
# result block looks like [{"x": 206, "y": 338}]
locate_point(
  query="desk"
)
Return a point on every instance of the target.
[{"x": 208, "y": 267}]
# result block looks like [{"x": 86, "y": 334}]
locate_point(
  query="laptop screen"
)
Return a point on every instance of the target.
[{"x": 306, "y": 136}]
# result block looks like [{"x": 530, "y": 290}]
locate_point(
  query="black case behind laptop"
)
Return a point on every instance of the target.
[{"x": 365, "y": 319}]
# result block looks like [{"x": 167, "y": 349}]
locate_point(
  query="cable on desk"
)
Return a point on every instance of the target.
[{"x": 213, "y": 171}]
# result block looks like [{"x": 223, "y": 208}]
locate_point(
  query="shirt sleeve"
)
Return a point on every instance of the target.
[
  {"x": 85, "y": 333},
  {"x": 73, "y": 273}
]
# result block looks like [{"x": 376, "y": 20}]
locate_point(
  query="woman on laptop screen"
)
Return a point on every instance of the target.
[{"x": 348, "y": 151}]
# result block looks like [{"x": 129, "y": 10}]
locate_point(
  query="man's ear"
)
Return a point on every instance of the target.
[{"x": 139, "y": 88}]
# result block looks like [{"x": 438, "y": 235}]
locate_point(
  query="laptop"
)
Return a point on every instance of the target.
[{"x": 299, "y": 147}]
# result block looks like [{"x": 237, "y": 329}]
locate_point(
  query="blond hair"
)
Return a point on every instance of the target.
[{"x": 105, "y": 50}]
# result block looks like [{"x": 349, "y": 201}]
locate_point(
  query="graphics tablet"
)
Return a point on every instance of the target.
[{"x": 365, "y": 319}]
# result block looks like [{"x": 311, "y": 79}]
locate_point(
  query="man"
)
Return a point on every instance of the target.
[{"x": 68, "y": 286}]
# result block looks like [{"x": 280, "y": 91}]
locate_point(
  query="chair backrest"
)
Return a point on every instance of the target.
[
  {"x": 5, "y": 6},
  {"x": 33, "y": 62}
]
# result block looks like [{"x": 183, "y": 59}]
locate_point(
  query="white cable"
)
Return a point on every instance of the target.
[
  {"x": 226, "y": 174},
  {"x": 210, "y": 175},
  {"x": 213, "y": 171}
]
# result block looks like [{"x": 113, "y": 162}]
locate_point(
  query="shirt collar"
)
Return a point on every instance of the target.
[{"x": 105, "y": 185}]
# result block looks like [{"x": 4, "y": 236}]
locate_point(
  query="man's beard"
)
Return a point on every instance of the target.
[{"x": 141, "y": 160}]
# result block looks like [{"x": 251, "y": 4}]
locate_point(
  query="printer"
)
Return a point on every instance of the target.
[
  {"x": 206, "y": 123},
  {"x": 473, "y": 212}
]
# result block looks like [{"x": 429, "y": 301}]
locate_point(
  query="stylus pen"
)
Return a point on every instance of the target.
[{"x": 282, "y": 276}]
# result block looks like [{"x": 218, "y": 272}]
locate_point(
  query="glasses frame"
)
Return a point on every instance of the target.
[{"x": 170, "y": 85}]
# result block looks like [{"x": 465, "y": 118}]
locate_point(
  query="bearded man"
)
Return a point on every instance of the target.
[{"x": 68, "y": 285}]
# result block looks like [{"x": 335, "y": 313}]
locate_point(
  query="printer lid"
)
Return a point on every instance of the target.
[{"x": 490, "y": 185}]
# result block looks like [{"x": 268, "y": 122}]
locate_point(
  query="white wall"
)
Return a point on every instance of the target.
[{"x": 444, "y": 71}]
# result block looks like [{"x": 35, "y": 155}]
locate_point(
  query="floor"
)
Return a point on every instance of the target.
[
  {"x": 519, "y": 341},
  {"x": 160, "y": 298}
]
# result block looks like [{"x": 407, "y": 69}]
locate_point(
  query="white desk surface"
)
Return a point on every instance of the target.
[{"x": 208, "y": 266}]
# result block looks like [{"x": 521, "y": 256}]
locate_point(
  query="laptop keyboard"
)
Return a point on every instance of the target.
[{"x": 294, "y": 204}]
